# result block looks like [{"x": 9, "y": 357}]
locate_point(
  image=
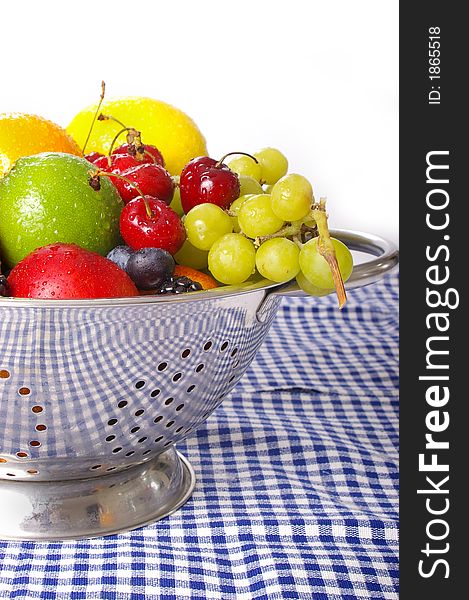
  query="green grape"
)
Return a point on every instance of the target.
[
  {"x": 277, "y": 259},
  {"x": 234, "y": 210},
  {"x": 205, "y": 223},
  {"x": 248, "y": 185},
  {"x": 292, "y": 197},
  {"x": 246, "y": 166},
  {"x": 274, "y": 164},
  {"x": 256, "y": 217},
  {"x": 232, "y": 259},
  {"x": 190, "y": 256},
  {"x": 311, "y": 289},
  {"x": 315, "y": 267},
  {"x": 176, "y": 201}
]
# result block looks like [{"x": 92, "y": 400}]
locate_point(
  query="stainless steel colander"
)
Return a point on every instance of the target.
[{"x": 94, "y": 395}]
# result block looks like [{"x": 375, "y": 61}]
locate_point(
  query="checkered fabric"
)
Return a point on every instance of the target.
[{"x": 297, "y": 480}]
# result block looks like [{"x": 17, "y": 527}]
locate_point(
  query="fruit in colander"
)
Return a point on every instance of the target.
[
  {"x": 66, "y": 272},
  {"x": 49, "y": 198}
]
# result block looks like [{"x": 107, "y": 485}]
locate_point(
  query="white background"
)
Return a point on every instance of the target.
[{"x": 317, "y": 79}]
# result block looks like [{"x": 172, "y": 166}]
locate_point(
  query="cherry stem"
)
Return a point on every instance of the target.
[
  {"x": 99, "y": 173},
  {"x": 327, "y": 250},
  {"x": 102, "y": 117},
  {"x": 133, "y": 138},
  {"x": 220, "y": 162},
  {"x": 131, "y": 131},
  {"x": 101, "y": 98}
]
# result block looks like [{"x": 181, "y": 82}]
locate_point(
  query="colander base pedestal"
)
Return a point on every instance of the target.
[{"x": 98, "y": 506}]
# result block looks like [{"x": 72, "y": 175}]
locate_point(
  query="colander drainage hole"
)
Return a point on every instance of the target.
[
  {"x": 158, "y": 439},
  {"x": 146, "y": 452},
  {"x": 178, "y": 429},
  {"x": 37, "y": 409},
  {"x": 111, "y": 468},
  {"x": 232, "y": 378},
  {"x": 110, "y": 438},
  {"x": 24, "y": 391},
  {"x": 140, "y": 384},
  {"x": 234, "y": 352},
  {"x": 169, "y": 423},
  {"x": 169, "y": 401},
  {"x": 157, "y": 419},
  {"x": 135, "y": 429},
  {"x": 122, "y": 404},
  {"x": 224, "y": 346},
  {"x": 185, "y": 353},
  {"x": 116, "y": 450},
  {"x": 112, "y": 421},
  {"x": 32, "y": 471},
  {"x": 155, "y": 393},
  {"x": 180, "y": 407},
  {"x": 41, "y": 427},
  {"x": 130, "y": 453},
  {"x": 168, "y": 443},
  {"x": 177, "y": 377},
  {"x": 94, "y": 467},
  {"x": 21, "y": 455},
  {"x": 162, "y": 366},
  {"x": 190, "y": 388},
  {"x": 207, "y": 346},
  {"x": 199, "y": 368},
  {"x": 142, "y": 439},
  {"x": 3, "y": 460},
  {"x": 139, "y": 412},
  {"x": 34, "y": 443},
  {"x": 4, "y": 374}
]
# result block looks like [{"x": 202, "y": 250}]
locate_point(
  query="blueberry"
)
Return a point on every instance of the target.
[
  {"x": 120, "y": 255},
  {"x": 149, "y": 268}
]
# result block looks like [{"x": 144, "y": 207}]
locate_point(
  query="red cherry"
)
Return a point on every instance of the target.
[
  {"x": 150, "y": 179},
  {"x": 151, "y": 154},
  {"x": 124, "y": 162},
  {"x": 204, "y": 179},
  {"x": 102, "y": 163},
  {"x": 92, "y": 157},
  {"x": 67, "y": 271},
  {"x": 162, "y": 228}
]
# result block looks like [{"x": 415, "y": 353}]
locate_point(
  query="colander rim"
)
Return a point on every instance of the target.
[{"x": 356, "y": 240}]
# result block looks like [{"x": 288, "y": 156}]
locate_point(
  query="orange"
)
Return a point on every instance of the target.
[
  {"x": 206, "y": 281},
  {"x": 24, "y": 135}
]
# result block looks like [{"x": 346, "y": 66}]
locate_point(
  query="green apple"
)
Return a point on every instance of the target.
[{"x": 48, "y": 198}]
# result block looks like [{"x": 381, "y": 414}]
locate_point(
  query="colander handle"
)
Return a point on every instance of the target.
[{"x": 364, "y": 273}]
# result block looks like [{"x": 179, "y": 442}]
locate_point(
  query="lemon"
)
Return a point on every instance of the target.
[
  {"x": 169, "y": 129},
  {"x": 25, "y": 135}
]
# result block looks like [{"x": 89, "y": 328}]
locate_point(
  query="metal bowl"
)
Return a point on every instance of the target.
[{"x": 95, "y": 394}]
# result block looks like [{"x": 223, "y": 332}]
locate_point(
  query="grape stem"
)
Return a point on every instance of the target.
[
  {"x": 101, "y": 98},
  {"x": 290, "y": 230},
  {"x": 327, "y": 250}
]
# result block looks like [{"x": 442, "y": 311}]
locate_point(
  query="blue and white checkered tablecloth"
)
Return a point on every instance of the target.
[{"x": 297, "y": 480}]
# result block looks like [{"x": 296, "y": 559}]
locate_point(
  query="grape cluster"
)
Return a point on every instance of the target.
[{"x": 275, "y": 227}]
